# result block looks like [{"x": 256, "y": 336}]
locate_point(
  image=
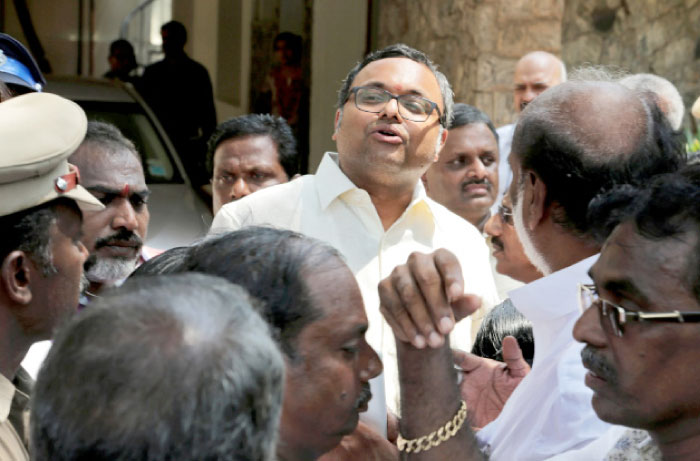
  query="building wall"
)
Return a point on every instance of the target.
[
  {"x": 338, "y": 42},
  {"x": 475, "y": 43},
  {"x": 652, "y": 36}
]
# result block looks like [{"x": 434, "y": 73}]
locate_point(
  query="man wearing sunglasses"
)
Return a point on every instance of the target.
[
  {"x": 640, "y": 323},
  {"x": 367, "y": 199}
]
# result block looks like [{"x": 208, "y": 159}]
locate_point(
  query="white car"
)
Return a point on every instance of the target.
[{"x": 179, "y": 215}]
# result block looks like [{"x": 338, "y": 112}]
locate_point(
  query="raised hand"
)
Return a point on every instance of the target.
[
  {"x": 486, "y": 384},
  {"x": 424, "y": 298}
]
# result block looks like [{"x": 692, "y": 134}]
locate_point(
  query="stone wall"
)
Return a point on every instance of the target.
[
  {"x": 652, "y": 36},
  {"x": 476, "y": 43}
]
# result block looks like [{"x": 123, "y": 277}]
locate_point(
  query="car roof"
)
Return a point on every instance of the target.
[{"x": 89, "y": 89}]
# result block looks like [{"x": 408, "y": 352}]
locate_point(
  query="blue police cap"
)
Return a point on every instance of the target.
[{"x": 17, "y": 66}]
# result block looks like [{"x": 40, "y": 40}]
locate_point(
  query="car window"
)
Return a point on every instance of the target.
[{"x": 134, "y": 123}]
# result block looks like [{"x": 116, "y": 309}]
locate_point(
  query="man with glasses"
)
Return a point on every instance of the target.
[
  {"x": 572, "y": 142},
  {"x": 367, "y": 200},
  {"x": 640, "y": 323}
]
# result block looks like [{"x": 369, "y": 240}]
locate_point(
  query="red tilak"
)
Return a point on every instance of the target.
[{"x": 125, "y": 191}]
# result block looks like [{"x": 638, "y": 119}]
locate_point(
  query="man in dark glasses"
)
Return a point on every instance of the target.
[{"x": 640, "y": 318}]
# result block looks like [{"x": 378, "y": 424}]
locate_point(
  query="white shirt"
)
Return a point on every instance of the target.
[
  {"x": 329, "y": 207},
  {"x": 505, "y": 175},
  {"x": 550, "y": 411}
]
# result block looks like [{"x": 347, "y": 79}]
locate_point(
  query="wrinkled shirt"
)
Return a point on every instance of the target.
[
  {"x": 329, "y": 207},
  {"x": 550, "y": 411}
]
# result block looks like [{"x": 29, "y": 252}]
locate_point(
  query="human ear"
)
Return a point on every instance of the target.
[
  {"x": 537, "y": 197},
  {"x": 15, "y": 276},
  {"x": 336, "y": 124}
]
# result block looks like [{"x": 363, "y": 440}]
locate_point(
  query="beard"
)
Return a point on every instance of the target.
[
  {"x": 111, "y": 270},
  {"x": 535, "y": 257}
]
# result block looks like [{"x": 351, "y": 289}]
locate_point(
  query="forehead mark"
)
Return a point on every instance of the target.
[{"x": 125, "y": 191}]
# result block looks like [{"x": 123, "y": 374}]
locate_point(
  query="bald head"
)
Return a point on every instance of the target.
[
  {"x": 667, "y": 96},
  {"x": 589, "y": 136},
  {"x": 534, "y": 73}
]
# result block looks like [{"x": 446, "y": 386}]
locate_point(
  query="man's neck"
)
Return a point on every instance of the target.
[
  {"x": 680, "y": 442},
  {"x": 390, "y": 206},
  {"x": 479, "y": 220},
  {"x": 14, "y": 345},
  {"x": 564, "y": 249}
]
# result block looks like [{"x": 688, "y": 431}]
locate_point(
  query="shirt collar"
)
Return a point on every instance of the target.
[
  {"x": 555, "y": 295},
  {"x": 7, "y": 392},
  {"x": 331, "y": 183}
]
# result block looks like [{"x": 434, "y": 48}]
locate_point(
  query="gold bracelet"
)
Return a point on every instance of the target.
[{"x": 435, "y": 438}]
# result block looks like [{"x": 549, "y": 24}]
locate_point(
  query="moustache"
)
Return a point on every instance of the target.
[
  {"x": 123, "y": 235},
  {"x": 598, "y": 365},
  {"x": 471, "y": 181},
  {"x": 364, "y": 397},
  {"x": 497, "y": 243}
]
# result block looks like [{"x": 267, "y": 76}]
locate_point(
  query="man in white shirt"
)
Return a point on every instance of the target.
[
  {"x": 603, "y": 134},
  {"x": 534, "y": 73},
  {"x": 368, "y": 201}
]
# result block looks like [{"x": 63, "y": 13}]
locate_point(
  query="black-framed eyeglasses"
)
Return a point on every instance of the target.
[
  {"x": 613, "y": 317},
  {"x": 505, "y": 214},
  {"x": 411, "y": 106}
]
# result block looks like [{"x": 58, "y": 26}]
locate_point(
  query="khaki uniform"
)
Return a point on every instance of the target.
[{"x": 14, "y": 399}]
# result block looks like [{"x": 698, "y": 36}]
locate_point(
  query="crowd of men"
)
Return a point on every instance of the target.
[{"x": 329, "y": 316}]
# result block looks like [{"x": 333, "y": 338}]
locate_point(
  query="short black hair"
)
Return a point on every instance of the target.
[
  {"x": 504, "y": 320},
  {"x": 29, "y": 231},
  {"x": 293, "y": 42},
  {"x": 272, "y": 264},
  {"x": 177, "y": 32},
  {"x": 464, "y": 114},
  {"x": 667, "y": 207},
  {"x": 400, "y": 50},
  {"x": 162, "y": 368},
  {"x": 573, "y": 177},
  {"x": 258, "y": 124}
]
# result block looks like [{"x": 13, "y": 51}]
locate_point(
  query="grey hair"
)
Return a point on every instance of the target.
[
  {"x": 108, "y": 137},
  {"x": 664, "y": 90},
  {"x": 166, "y": 367},
  {"x": 597, "y": 73},
  {"x": 400, "y": 50}
]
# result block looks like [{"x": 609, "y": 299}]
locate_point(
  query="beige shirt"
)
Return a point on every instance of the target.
[
  {"x": 12, "y": 444},
  {"x": 329, "y": 207}
]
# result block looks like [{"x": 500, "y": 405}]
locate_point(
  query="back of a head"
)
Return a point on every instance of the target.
[
  {"x": 668, "y": 98},
  {"x": 587, "y": 137},
  {"x": 177, "y": 34},
  {"x": 169, "y": 262},
  {"x": 504, "y": 320},
  {"x": 177, "y": 367},
  {"x": 272, "y": 265}
]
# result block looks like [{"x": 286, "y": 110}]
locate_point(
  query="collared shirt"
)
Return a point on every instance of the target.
[
  {"x": 505, "y": 175},
  {"x": 329, "y": 207},
  {"x": 13, "y": 421},
  {"x": 550, "y": 411}
]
